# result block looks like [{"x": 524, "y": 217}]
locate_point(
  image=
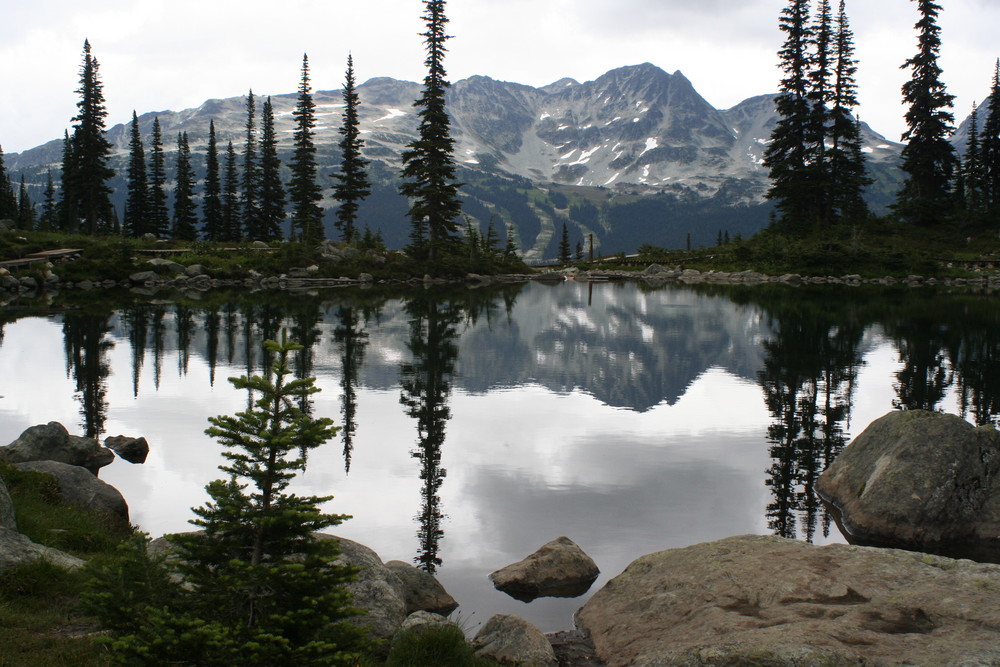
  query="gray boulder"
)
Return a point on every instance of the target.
[
  {"x": 762, "y": 600},
  {"x": 51, "y": 442},
  {"x": 144, "y": 276},
  {"x": 921, "y": 480},
  {"x": 512, "y": 640},
  {"x": 133, "y": 450},
  {"x": 79, "y": 488},
  {"x": 558, "y": 569},
  {"x": 7, "y": 517},
  {"x": 420, "y": 619},
  {"x": 17, "y": 550},
  {"x": 171, "y": 266},
  {"x": 421, "y": 591},
  {"x": 195, "y": 270}
]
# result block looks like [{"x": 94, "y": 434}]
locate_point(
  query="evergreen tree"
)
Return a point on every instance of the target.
[
  {"x": 25, "y": 210},
  {"x": 211, "y": 207},
  {"x": 564, "y": 251},
  {"x": 260, "y": 587},
  {"x": 973, "y": 175},
  {"x": 352, "y": 183},
  {"x": 787, "y": 154},
  {"x": 250, "y": 202},
  {"x": 91, "y": 151},
  {"x": 185, "y": 216},
  {"x": 846, "y": 162},
  {"x": 303, "y": 190},
  {"x": 8, "y": 202},
  {"x": 991, "y": 149},
  {"x": 429, "y": 168},
  {"x": 158, "y": 216},
  {"x": 68, "y": 218},
  {"x": 272, "y": 194},
  {"x": 47, "y": 222},
  {"x": 230, "y": 229},
  {"x": 136, "y": 210},
  {"x": 510, "y": 249},
  {"x": 928, "y": 157},
  {"x": 821, "y": 93}
]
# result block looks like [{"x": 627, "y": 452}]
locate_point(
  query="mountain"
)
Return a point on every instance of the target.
[{"x": 635, "y": 156}]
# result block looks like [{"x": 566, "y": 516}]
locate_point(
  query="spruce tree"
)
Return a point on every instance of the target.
[
  {"x": 821, "y": 92},
  {"x": 429, "y": 167},
  {"x": 846, "y": 162},
  {"x": 928, "y": 157},
  {"x": 68, "y": 218},
  {"x": 303, "y": 189},
  {"x": 8, "y": 202},
  {"x": 136, "y": 210},
  {"x": 972, "y": 171},
  {"x": 272, "y": 193},
  {"x": 158, "y": 215},
  {"x": 250, "y": 201},
  {"x": 47, "y": 222},
  {"x": 564, "y": 251},
  {"x": 91, "y": 151},
  {"x": 787, "y": 154},
  {"x": 991, "y": 149},
  {"x": 260, "y": 588},
  {"x": 185, "y": 215},
  {"x": 230, "y": 229},
  {"x": 211, "y": 207},
  {"x": 25, "y": 210},
  {"x": 352, "y": 183}
]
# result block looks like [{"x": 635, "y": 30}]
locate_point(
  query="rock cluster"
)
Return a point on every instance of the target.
[{"x": 51, "y": 442}]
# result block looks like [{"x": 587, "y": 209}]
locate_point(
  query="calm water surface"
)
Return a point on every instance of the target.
[{"x": 479, "y": 424}]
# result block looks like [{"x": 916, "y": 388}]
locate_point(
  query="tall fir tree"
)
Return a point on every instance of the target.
[
  {"x": 68, "y": 218},
  {"x": 428, "y": 163},
  {"x": 564, "y": 249},
  {"x": 158, "y": 214},
  {"x": 91, "y": 152},
  {"x": 303, "y": 189},
  {"x": 185, "y": 211},
  {"x": 821, "y": 92},
  {"x": 352, "y": 183},
  {"x": 211, "y": 207},
  {"x": 230, "y": 229},
  {"x": 990, "y": 149},
  {"x": 272, "y": 193},
  {"x": 787, "y": 154},
  {"x": 846, "y": 163},
  {"x": 136, "y": 209},
  {"x": 8, "y": 202},
  {"x": 25, "y": 209},
  {"x": 250, "y": 201},
  {"x": 929, "y": 160},
  {"x": 47, "y": 222},
  {"x": 973, "y": 173}
]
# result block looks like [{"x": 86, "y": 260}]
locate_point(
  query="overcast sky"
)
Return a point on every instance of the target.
[{"x": 158, "y": 55}]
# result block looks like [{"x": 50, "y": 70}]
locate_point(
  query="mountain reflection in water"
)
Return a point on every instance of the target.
[{"x": 477, "y": 425}]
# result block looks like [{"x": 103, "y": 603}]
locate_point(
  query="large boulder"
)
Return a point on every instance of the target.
[
  {"x": 7, "y": 518},
  {"x": 79, "y": 488},
  {"x": 17, "y": 550},
  {"x": 421, "y": 591},
  {"x": 133, "y": 450},
  {"x": 558, "y": 569},
  {"x": 765, "y": 600},
  {"x": 510, "y": 639},
  {"x": 919, "y": 479},
  {"x": 51, "y": 442}
]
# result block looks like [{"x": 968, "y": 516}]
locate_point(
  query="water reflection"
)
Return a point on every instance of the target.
[{"x": 596, "y": 407}]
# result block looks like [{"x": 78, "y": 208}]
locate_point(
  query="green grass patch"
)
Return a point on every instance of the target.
[{"x": 442, "y": 645}]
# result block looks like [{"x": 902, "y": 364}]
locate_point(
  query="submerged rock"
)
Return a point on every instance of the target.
[
  {"x": 133, "y": 450},
  {"x": 558, "y": 569},
  {"x": 921, "y": 480},
  {"x": 756, "y": 600}
]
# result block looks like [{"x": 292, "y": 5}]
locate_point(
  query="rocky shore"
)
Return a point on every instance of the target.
[{"x": 913, "y": 478}]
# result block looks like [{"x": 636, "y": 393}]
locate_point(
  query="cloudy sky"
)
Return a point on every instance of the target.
[{"x": 158, "y": 55}]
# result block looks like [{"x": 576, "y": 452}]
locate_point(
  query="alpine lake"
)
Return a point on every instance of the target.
[{"x": 478, "y": 424}]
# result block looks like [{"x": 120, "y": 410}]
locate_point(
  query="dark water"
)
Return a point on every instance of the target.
[{"x": 476, "y": 425}]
